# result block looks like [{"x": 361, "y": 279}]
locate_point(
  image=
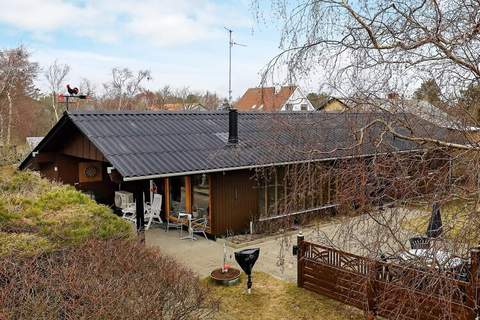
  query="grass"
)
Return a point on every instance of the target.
[
  {"x": 38, "y": 215},
  {"x": 459, "y": 218},
  {"x": 274, "y": 299}
]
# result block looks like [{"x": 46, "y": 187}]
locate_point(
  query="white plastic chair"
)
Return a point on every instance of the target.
[
  {"x": 152, "y": 214},
  {"x": 129, "y": 212}
]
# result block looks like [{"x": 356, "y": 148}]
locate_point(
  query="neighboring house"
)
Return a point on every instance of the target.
[
  {"x": 32, "y": 142},
  {"x": 206, "y": 162},
  {"x": 332, "y": 105},
  {"x": 267, "y": 99},
  {"x": 420, "y": 108},
  {"x": 428, "y": 112}
]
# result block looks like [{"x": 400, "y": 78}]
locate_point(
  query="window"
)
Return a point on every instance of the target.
[
  {"x": 270, "y": 194},
  {"x": 288, "y": 107},
  {"x": 177, "y": 194},
  {"x": 201, "y": 195},
  {"x": 280, "y": 193},
  {"x": 303, "y": 107}
]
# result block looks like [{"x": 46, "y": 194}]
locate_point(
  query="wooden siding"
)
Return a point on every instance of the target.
[
  {"x": 81, "y": 147},
  {"x": 234, "y": 201},
  {"x": 68, "y": 173}
]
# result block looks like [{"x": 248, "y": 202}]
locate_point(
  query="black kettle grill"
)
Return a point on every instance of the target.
[{"x": 246, "y": 259}]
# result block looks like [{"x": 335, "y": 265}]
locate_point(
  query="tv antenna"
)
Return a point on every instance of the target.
[{"x": 231, "y": 43}]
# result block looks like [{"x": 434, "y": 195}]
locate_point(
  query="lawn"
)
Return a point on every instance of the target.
[
  {"x": 274, "y": 299},
  {"x": 459, "y": 218}
]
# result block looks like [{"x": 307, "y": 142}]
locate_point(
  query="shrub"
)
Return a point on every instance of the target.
[
  {"x": 115, "y": 279},
  {"x": 23, "y": 244},
  {"x": 48, "y": 211}
]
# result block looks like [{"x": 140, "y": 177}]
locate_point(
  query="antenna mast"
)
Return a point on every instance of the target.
[{"x": 231, "y": 43}]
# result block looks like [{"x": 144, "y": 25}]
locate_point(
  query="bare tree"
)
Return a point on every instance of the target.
[
  {"x": 374, "y": 47},
  {"x": 87, "y": 88},
  {"x": 125, "y": 84},
  {"x": 210, "y": 100},
  {"x": 16, "y": 77},
  {"x": 56, "y": 74},
  {"x": 374, "y": 54}
]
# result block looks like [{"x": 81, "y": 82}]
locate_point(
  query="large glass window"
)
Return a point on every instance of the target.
[
  {"x": 270, "y": 193},
  {"x": 201, "y": 195},
  {"x": 281, "y": 192},
  {"x": 177, "y": 194}
]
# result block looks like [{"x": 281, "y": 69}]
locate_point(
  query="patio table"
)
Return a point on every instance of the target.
[
  {"x": 443, "y": 258},
  {"x": 190, "y": 236}
]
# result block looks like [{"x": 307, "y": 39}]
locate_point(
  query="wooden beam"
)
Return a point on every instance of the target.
[
  {"x": 167, "y": 198},
  {"x": 210, "y": 209},
  {"x": 188, "y": 194},
  {"x": 139, "y": 208}
]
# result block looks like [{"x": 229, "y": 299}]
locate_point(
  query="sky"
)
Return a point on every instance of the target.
[{"x": 182, "y": 42}]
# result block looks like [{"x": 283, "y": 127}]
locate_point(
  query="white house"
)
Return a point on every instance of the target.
[{"x": 289, "y": 98}]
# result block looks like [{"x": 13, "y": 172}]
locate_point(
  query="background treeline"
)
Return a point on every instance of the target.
[{"x": 25, "y": 110}]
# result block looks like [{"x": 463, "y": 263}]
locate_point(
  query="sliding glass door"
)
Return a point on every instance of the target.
[{"x": 189, "y": 194}]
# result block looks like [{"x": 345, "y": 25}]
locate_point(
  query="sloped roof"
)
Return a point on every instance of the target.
[
  {"x": 264, "y": 99},
  {"x": 441, "y": 117},
  {"x": 148, "y": 144}
]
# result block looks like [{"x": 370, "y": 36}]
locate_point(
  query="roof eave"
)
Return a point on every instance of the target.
[
  {"x": 273, "y": 164},
  {"x": 60, "y": 123}
]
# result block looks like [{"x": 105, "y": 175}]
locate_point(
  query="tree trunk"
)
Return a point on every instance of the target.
[
  {"x": 120, "y": 102},
  {"x": 10, "y": 115},
  {"x": 54, "y": 106},
  {"x": 1, "y": 128}
]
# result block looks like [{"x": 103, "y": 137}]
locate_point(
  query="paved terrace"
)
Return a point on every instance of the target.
[{"x": 202, "y": 256}]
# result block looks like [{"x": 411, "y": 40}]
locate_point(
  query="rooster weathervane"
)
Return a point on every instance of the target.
[{"x": 72, "y": 93}]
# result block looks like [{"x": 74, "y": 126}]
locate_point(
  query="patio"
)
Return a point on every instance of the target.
[{"x": 202, "y": 255}]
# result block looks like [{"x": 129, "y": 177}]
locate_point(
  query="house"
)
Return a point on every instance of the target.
[
  {"x": 289, "y": 98},
  {"x": 32, "y": 142},
  {"x": 332, "y": 104},
  {"x": 208, "y": 162},
  {"x": 394, "y": 104}
]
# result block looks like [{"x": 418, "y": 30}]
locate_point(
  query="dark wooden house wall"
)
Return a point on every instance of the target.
[
  {"x": 65, "y": 154},
  {"x": 234, "y": 201},
  {"x": 81, "y": 147},
  {"x": 68, "y": 173}
]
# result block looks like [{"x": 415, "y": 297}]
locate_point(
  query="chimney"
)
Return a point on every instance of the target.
[{"x": 232, "y": 126}]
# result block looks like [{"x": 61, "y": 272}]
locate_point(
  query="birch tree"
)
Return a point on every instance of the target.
[
  {"x": 17, "y": 73},
  {"x": 55, "y": 75},
  {"x": 374, "y": 54},
  {"x": 125, "y": 84}
]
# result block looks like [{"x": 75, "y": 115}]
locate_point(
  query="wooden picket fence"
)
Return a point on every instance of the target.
[{"x": 387, "y": 289}]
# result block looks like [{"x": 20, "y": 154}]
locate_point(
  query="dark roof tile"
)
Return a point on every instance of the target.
[{"x": 140, "y": 144}]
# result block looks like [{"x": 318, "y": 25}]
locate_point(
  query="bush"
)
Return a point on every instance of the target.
[{"x": 115, "y": 279}]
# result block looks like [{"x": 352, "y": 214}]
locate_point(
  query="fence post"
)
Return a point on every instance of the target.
[
  {"x": 300, "y": 260},
  {"x": 371, "y": 294},
  {"x": 472, "y": 299}
]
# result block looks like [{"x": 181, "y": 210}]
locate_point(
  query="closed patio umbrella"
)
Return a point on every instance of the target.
[{"x": 435, "y": 227}]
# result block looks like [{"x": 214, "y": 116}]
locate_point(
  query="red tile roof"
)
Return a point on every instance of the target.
[{"x": 266, "y": 97}]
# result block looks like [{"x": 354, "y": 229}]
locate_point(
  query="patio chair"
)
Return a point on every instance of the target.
[
  {"x": 200, "y": 226},
  {"x": 175, "y": 225},
  {"x": 152, "y": 214},
  {"x": 419, "y": 242},
  {"x": 129, "y": 212}
]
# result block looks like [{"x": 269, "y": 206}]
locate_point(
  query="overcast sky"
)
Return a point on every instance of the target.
[{"x": 183, "y": 42}]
